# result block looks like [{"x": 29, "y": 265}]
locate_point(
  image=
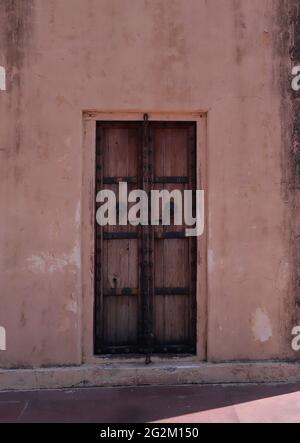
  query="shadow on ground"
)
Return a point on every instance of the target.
[{"x": 192, "y": 403}]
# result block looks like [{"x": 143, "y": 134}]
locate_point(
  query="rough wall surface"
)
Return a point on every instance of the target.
[{"x": 231, "y": 59}]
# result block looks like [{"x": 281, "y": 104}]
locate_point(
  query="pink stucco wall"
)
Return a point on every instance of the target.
[{"x": 222, "y": 57}]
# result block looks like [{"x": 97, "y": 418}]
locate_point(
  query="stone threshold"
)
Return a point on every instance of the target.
[{"x": 135, "y": 374}]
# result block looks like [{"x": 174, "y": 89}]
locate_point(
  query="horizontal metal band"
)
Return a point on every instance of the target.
[
  {"x": 174, "y": 349},
  {"x": 106, "y": 349},
  {"x": 135, "y": 348},
  {"x": 170, "y": 234},
  {"x": 171, "y": 179},
  {"x": 135, "y": 235},
  {"x": 171, "y": 291},
  {"x": 120, "y": 291},
  {"x": 119, "y": 235},
  {"x": 116, "y": 180},
  {"x": 135, "y": 291}
]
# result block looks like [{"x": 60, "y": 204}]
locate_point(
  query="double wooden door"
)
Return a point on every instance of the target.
[{"x": 145, "y": 276}]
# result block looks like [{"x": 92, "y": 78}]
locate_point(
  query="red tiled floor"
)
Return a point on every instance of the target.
[{"x": 167, "y": 404}]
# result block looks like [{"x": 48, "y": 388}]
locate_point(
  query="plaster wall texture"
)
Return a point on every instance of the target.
[{"x": 226, "y": 58}]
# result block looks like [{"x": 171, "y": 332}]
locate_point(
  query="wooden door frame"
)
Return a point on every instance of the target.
[{"x": 88, "y": 226}]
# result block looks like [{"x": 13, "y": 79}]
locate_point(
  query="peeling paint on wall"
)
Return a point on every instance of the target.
[
  {"x": 2, "y": 79},
  {"x": 46, "y": 262},
  {"x": 75, "y": 256},
  {"x": 37, "y": 263},
  {"x": 210, "y": 260},
  {"x": 77, "y": 215},
  {"x": 17, "y": 23},
  {"x": 283, "y": 275},
  {"x": 2, "y": 339},
  {"x": 261, "y": 326},
  {"x": 72, "y": 306}
]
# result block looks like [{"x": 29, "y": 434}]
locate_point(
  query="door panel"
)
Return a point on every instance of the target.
[
  {"x": 120, "y": 156},
  {"x": 121, "y": 311},
  {"x": 174, "y": 153},
  {"x": 145, "y": 276},
  {"x": 117, "y": 268}
]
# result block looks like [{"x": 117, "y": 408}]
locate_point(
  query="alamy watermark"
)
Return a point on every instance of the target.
[
  {"x": 158, "y": 207},
  {"x": 296, "y": 340}
]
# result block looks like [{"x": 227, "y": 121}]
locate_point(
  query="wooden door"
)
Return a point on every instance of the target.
[{"x": 145, "y": 276}]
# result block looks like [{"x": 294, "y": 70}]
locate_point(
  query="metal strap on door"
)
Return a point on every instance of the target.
[{"x": 147, "y": 246}]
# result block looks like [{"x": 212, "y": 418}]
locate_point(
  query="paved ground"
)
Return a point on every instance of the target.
[{"x": 194, "y": 403}]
